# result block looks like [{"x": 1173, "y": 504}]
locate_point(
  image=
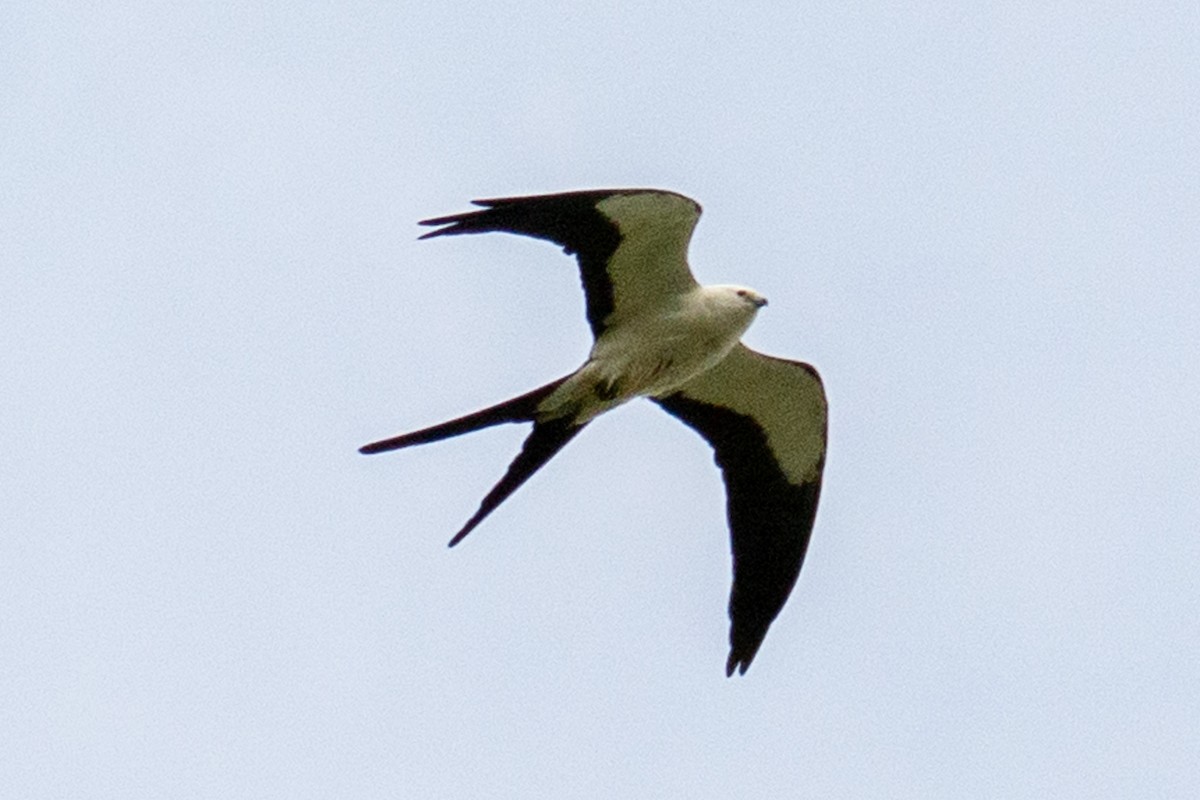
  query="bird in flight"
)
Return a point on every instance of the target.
[{"x": 661, "y": 335}]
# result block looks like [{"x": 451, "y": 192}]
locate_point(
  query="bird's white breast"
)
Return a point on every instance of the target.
[{"x": 654, "y": 353}]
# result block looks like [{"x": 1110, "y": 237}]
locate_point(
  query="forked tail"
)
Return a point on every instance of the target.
[
  {"x": 546, "y": 439},
  {"x": 518, "y": 409}
]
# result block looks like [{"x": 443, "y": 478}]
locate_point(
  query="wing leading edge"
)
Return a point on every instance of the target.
[
  {"x": 631, "y": 244},
  {"x": 766, "y": 421}
]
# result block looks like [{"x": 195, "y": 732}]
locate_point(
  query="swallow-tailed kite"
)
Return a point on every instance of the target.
[{"x": 661, "y": 335}]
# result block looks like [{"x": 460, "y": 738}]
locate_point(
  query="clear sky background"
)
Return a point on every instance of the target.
[{"x": 982, "y": 225}]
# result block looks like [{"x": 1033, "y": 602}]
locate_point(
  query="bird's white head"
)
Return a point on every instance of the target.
[
  {"x": 738, "y": 297},
  {"x": 750, "y": 296},
  {"x": 734, "y": 306}
]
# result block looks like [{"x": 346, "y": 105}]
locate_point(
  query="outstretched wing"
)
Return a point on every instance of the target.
[
  {"x": 766, "y": 421},
  {"x": 631, "y": 244}
]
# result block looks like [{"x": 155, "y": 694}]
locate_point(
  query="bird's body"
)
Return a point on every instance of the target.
[
  {"x": 655, "y": 352},
  {"x": 659, "y": 334}
]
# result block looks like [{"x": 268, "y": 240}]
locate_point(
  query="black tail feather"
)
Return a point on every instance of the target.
[
  {"x": 518, "y": 409},
  {"x": 543, "y": 442}
]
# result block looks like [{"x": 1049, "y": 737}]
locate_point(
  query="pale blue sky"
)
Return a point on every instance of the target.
[{"x": 981, "y": 225}]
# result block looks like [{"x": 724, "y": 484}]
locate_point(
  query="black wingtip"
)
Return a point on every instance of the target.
[
  {"x": 456, "y": 223},
  {"x": 742, "y": 653},
  {"x": 446, "y": 220},
  {"x": 450, "y": 222}
]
